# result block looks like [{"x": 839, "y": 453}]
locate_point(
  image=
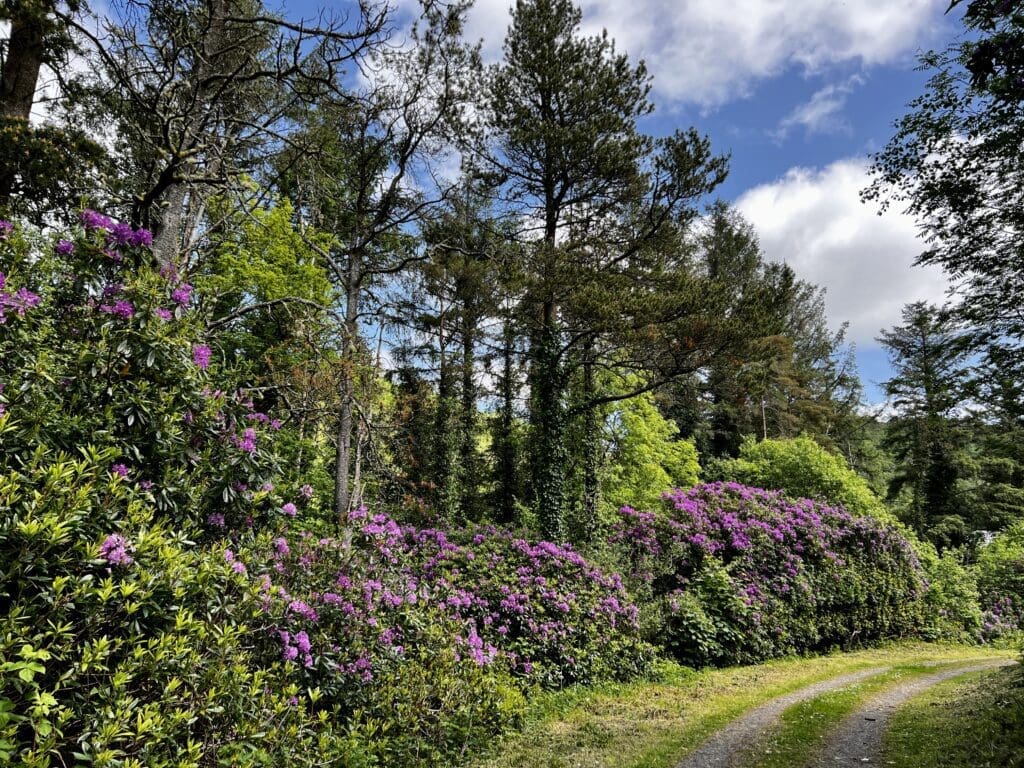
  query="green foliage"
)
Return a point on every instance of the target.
[
  {"x": 647, "y": 457},
  {"x": 130, "y": 651},
  {"x": 801, "y": 468},
  {"x": 929, "y": 354},
  {"x": 45, "y": 170},
  {"x": 968, "y": 195},
  {"x": 113, "y": 357},
  {"x": 259, "y": 256},
  {"x": 1000, "y": 569},
  {"x": 952, "y": 604}
]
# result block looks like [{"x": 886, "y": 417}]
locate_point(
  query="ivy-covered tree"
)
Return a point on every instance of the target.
[{"x": 562, "y": 113}]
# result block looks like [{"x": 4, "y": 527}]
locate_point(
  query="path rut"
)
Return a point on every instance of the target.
[
  {"x": 858, "y": 740},
  {"x": 729, "y": 744}
]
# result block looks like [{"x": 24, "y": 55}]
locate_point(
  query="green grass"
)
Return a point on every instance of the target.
[
  {"x": 805, "y": 726},
  {"x": 655, "y": 724},
  {"x": 975, "y": 721}
]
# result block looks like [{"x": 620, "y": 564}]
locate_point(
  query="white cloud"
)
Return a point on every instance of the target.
[
  {"x": 813, "y": 220},
  {"x": 823, "y": 112},
  {"x": 712, "y": 51}
]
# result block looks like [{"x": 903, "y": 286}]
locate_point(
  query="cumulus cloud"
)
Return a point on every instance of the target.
[
  {"x": 709, "y": 52},
  {"x": 823, "y": 112},
  {"x": 813, "y": 220}
]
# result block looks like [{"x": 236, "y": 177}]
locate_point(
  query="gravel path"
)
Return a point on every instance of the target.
[
  {"x": 858, "y": 740},
  {"x": 729, "y": 743}
]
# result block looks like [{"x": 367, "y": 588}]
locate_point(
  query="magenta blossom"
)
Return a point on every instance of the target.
[
  {"x": 182, "y": 294},
  {"x": 289, "y": 509},
  {"x": 115, "y": 550},
  {"x": 92, "y": 220},
  {"x": 121, "y": 308},
  {"x": 64, "y": 248},
  {"x": 201, "y": 356}
]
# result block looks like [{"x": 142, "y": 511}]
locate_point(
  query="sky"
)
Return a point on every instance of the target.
[{"x": 800, "y": 93}]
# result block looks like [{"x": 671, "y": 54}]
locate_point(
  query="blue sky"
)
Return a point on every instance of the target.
[{"x": 800, "y": 92}]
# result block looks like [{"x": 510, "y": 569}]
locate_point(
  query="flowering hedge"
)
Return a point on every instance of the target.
[
  {"x": 737, "y": 574},
  {"x": 536, "y": 610},
  {"x": 422, "y": 642}
]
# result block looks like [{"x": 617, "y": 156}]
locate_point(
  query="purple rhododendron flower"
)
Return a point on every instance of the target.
[
  {"x": 120, "y": 235},
  {"x": 306, "y": 491},
  {"x": 120, "y": 470},
  {"x": 142, "y": 238},
  {"x": 115, "y": 550},
  {"x": 163, "y": 314},
  {"x": 64, "y": 248},
  {"x": 5, "y": 229},
  {"x": 121, "y": 308},
  {"x": 247, "y": 442},
  {"x": 20, "y": 301},
  {"x": 289, "y": 509},
  {"x": 182, "y": 294},
  {"x": 201, "y": 356},
  {"x": 92, "y": 220}
]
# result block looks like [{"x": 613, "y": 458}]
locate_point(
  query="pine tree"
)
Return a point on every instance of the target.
[{"x": 928, "y": 355}]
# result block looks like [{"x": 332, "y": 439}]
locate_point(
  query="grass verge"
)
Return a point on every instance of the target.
[
  {"x": 655, "y": 724},
  {"x": 971, "y": 721}
]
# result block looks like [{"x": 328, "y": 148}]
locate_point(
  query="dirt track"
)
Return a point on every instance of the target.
[
  {"x": 726, "y": 746},
  {"x": 858, "y": 739}
]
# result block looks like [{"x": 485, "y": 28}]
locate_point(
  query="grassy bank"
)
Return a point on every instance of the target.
[
  {"x": 976, "y": 720},
  {"x": 653, "y": 724}
]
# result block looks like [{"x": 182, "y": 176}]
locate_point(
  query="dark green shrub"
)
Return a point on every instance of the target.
[{"x": 123, "y": 644}]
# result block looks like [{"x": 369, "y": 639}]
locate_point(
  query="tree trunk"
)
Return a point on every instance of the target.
[
  {"x": 445, "y": 452},
  {"x": 21, "y": 67},
  {"x": 18, "y": 80},
  {"x": 167, "y": 238},
  {"x": 467, "y": 446},
  {"x": 550, "y": 455},
  {"x": 343, "y": 454},
  {"x": 169, "y": 235},
  {"x": 591, "y": 454},
  {"x": 504, "y": 443}
]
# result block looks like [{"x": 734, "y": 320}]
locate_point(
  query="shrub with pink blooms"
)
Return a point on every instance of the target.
[
  {"x": 436, "y": 635},
  {"x": 123, "y": 643},
  {"x": 100, "y": 347},
  {"x": 735, "y": 574}
]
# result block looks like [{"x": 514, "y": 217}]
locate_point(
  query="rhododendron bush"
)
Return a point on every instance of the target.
[
  {"x": 734, "y": 573},
  {"x": 538, "y": 611},
  {"x": 100, "y": 349}
]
